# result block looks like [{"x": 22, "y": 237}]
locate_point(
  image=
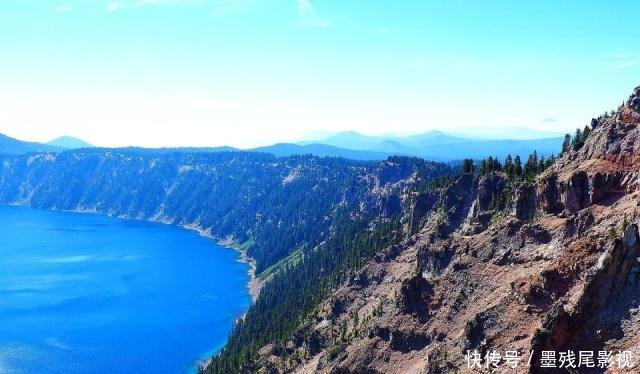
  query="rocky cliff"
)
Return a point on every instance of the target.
[
  {"x": 549, "y": 265},
  {"x": 371, "y": 269}
]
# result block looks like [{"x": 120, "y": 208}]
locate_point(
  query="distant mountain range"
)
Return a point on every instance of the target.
[
  {"x": 69, "y": 142},
  {"x": 432, "y": 145},
  {"x": 322, "y": 150},
  {"x": 503, "y": 133},
  {"x": 470, "y": 132},
  {"x": 438, "y": 145},
  {"x": 12, "y": 146}
]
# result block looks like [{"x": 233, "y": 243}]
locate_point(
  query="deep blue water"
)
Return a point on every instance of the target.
[{"x": 83, "y": 293}]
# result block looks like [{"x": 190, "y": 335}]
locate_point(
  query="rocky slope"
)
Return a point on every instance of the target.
[{"x": 550, "y": 265}]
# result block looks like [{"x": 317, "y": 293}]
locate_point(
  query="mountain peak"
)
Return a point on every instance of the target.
[
  {"x": 630, "y": 113},
  {"x": 613, "y": 144},
  {"x": 9, "y": 145},
  {"x": 69, "y": 142}
]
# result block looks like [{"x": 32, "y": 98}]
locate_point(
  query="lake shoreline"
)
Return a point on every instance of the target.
[
  {"x": 255, "y": 284},
  {"x": 240, "y": 281}
]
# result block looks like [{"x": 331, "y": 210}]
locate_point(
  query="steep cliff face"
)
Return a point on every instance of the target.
[
  {"x": 275, "y": 205},
  {"x": 554, "y": 266}
]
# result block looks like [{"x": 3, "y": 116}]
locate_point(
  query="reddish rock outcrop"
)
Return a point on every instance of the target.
[{"x": 556, "y": 268}]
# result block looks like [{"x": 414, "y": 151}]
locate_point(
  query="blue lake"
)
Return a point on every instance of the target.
[{"x": 83, "y": 293}]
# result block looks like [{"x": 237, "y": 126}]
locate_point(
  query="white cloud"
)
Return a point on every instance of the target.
[{"x": 308, "y": 16}]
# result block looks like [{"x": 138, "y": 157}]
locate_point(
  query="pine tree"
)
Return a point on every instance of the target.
[
  {"x": 550, "y": 161},
  {"x": 517, "y": 166},
  {"x": 534, "y": 157},
  {"x": 541, "y": 164},
  {"x": 530, "y": 167},
  {"x": 483, "y": 167},
  {"x": 577, "y": 140},
  {"x": 467, "y": 166},
  {"x": 566, "y": 143},
  {"x": 490, "y": 165},
  {"x": 496, "y": 165},
  {"x": 585, "y": 133},
  {"x": 508, "y": 165}
]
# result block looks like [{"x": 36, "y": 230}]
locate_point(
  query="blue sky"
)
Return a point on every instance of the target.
[{"x": 252, "y": 72}]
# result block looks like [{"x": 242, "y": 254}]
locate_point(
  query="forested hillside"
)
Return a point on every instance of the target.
[
  {"x": 271, "y": 205},
  {"x": 306, "y": 221}
]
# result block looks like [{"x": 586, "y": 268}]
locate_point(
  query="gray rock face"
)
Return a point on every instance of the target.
[
  {"x": 391, "y": 205},
  {"x": 630, "y": 237},
  {"x": 489, "y": 189},
  {"x": 488, "y": 201},
  {"x": 424, "y": 204},
  {"x": 612, "y": 289},
  {"x": 406, "y": 341},
  {"x": 577, "y": 192},
  {"x": 456, "y": 203},
  {"x": 580, "y": 191},
  {"x": 524, "y": 206},
  {"x": 433, "y": 262},
  {"x": 548, "y": 195},
  {"x": 578, "y": 224},
  {"x": 553, "y": 336},
  {"x": 415, "y": 297},
  {"x": 604, "y": 185}
]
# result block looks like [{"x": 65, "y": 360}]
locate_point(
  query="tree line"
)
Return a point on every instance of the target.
[{"x": 513, "y": 166}]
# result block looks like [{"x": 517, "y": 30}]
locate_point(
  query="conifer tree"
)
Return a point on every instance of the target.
[
  {"x": 517, "y": 166},
  {"x": 566, "y": 143},
  {"x": 541, "y": 165},
  {"x": 550, "y": 161},
  {"x": 577, "y": 140},
  {"x": 496, "y": 165},
  {"x": 483, "y": 167},
  {"x": 585, "y": 133},
  {"x": 468, "y": 166},
  {"x": 508, "y": 165}
]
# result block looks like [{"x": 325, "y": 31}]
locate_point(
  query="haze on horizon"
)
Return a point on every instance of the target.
[{"x": 254, "y": 72}]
